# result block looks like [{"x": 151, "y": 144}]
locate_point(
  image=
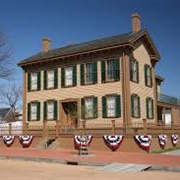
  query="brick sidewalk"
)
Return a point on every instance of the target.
[{"x": 94, "y": 157}]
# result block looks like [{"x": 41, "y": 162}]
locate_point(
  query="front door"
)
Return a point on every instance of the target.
[{"x": 70, "y": 113}]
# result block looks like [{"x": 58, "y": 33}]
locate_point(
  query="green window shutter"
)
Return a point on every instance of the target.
[
  {"x": 145, "y": 74},
  {"x": 29, "y": 112},
  {"x": 137, "y": 68},
  {"x": 62, "y": 77},
  {"x": 94, "y": 72},
  {"x": 130, "y": 68},
  {"x": 103, "y": 72},
  {"x": 95, "y": 107},
  {"x": 152, "y": 108},
  {"x": 55, "y": 110},
  {"x": 45, "y": 110},
  {"x": 82, "y": 109},
  {"x": 132, "y": 105},
  {"x": 147, "y": 108},
  {"x": 117, "y": 70},
  {"x": 118, "y": 106},
  {"x": 38, "y": 110},
  {"x": 82, "y": 74},
  {"x": 29, "y": 81},
  {"x": 139, "y": 107},
  {"x": 45, "y": 79},
  {"x": 55, "y": 78},
  {"x": 74, "y": 76},
  {"x": 151, "y": 76},
  {"x": 104, "y": 107},
  {"x": 39, "y": 80}
]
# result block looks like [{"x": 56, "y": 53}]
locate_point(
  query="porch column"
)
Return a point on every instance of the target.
[
  {"x": 126, "y": 92},
  {"x": 163, "y": 115}
]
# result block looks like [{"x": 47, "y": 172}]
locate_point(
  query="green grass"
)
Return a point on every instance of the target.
[{"x": 165, "y": 150}]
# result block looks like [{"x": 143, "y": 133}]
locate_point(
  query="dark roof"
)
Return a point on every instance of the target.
[
  {"x": 159, "y": 78},
  {"x": 85, "y": 46}
]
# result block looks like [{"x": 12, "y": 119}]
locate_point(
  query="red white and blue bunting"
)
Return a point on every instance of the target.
[
  {"x": 79, "y": 140},
  {"x": 26, "y": 140},
  {"x": 8, "y": 140},
  {"x": 162, "y": 140},
  {"x": 144, "y": 141},
  {"x": 113, "y": 141},
  {"x": 174, "y": 139}
]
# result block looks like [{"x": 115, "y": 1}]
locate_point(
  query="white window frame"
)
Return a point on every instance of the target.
[
  {"x": 150, "y": 108},
  {"x": 89, "y": 107},
  {"x": 134, "y": 70},
  {"x": 50, "y": 109},
  {"x": 69, "y": 76},
  {"x": 34, "y": 81},
  {"x": 110, "y": 70},
  {"x": 50, "y": 78},
  {"x": 111, "y": 106},
  {"x": 34, "y": 109},
  {"x": 88, "y": 73}
]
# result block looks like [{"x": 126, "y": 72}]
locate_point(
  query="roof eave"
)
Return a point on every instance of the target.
[{"x": 30, "y": 62}]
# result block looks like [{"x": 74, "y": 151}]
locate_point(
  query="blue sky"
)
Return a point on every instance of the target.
[{"x": 26, "y": 22}]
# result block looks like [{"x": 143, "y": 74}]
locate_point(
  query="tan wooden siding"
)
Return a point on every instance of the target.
[
  {"x": 78, "y": 92},
  {"x": 141, "y": 55},
  {"x": 176, "y": 116}
]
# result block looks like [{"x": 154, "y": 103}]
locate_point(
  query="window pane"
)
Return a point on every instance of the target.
[
  {"x": 89, "y": 108},
  {"x": 33, "y": 111},
  {"x": 33, "y": 81},
  {"x": 69, "y": 76},
  {"x": 150, "y": 108},
  {"x": 89, "y": 73},
  {"x": 111, "y": 106},
  {"x": 50, "y": 110},
  {"x": 50, "y": 79},
  {"x": 111, "y": 69}
]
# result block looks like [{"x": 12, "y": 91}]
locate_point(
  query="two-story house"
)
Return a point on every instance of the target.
[{"x": 96, "y": 81}]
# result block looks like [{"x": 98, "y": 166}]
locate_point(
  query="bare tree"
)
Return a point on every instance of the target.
[
  {"x": 6, "y": 69},
  {"x": 11, "y": 96}
]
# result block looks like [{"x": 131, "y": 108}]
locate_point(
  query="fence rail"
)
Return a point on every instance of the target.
[{"x": 94, "y": 129}]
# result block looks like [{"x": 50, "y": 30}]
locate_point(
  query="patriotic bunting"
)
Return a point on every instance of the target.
[
  {"x": 81, "y": 140},
  {"x": 144, "y": 141},
  {"x": 8, "y": 140},
  {"x": 113, "y": 141},
  {"x": 174, "y": 139},
  {"x": 162, "y": 140},
  {"x": 26, "y": 140}
]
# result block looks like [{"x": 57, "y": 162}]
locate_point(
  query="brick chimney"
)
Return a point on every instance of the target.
[
  {"x": 136, "y": 22},
  {"x": 46, "y": 44}
]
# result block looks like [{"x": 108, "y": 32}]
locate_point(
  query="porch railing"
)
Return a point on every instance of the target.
[{"x": 168, "y": 99}]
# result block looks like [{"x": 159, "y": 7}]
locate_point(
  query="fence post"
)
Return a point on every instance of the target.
[
  {"x": 83, "y": 127},
  {"x": 145, "y": 126},
  {"x": 27, "y": 128},
  {"x": 10, "y": 128},
  {"x": 113, "y": 126},
  {"x": 57, "y": 129},
  {"x": 44, "y": 128}
]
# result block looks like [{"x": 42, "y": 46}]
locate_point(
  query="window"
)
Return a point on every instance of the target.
[
  {"x": 50, "y": 110},
  {"x": 34, "y": 81},
  {"x": 33, "y": 111},
  {"x": 68, "y": 76},
  {"x": 134, "y": 70},
  {"x": 149, "y": 108},
  {"x": 89, "y": 73},
  {"x": 110, "y": 70},
  {"x": 135, "y": 106},
  {"x": 50, "y": 79},
  {"x": 148, "y": 75},
  {"x": 111, "y": 106},
  {"x": 89, "y": 107}
]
